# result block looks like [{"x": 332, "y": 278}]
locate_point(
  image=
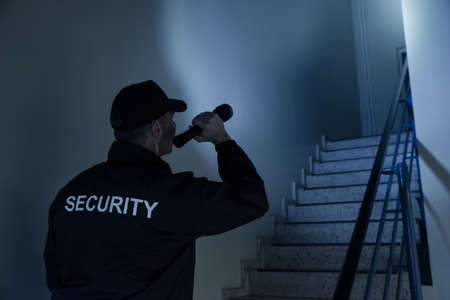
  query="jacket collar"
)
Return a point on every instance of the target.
[{"x": 133, "y": 153}]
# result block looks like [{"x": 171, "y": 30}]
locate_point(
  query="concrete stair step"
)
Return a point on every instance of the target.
[
  {"x": 356, "y": 164},
  {"x": 339, "y": 211},
  {"x": 315, "y": 284},
  {"x": 361, "y": 152},
  {"x": 304, "y": 257},
  {"x": 272, "y": 298},
  {"x": 322, "y": 257},
  {"x": 347, "y": 193},
  {"x": 353, "y": 177},
  {"x": 361, "y": 142},
  {"x": 332, "y": 232}
]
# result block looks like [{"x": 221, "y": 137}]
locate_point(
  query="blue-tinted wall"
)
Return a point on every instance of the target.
[
  {"x": 287, "y": 68},
  {"x": 427, "y": 32}
]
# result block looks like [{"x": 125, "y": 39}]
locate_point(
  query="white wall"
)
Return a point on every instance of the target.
[
  {"x": 287, "y": 68},
  {"x": 427, "y": 30},
  {"x": 378, "y": 36}
]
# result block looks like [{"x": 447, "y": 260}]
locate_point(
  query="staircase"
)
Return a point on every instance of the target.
[{"x": 304, "y": 256}]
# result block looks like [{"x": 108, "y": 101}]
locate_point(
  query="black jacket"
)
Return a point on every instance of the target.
[{"x": 126, "y": 228}]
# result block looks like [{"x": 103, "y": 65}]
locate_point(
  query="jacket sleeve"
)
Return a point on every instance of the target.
[{"x": 206, "y": 207}]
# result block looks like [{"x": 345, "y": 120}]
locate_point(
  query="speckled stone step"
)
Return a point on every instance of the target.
[
  {"x": 303, "y": 258},
  {"x": 346, "y": 193},
  {"x": 322, "y": 257},
  {"x": 278, "y": 283},
  {"x": 331, "y": 232},
  {"x": 357, "y": 164},
  {"x": 354, "y": 177},
  {"x": 345, "y": 211},
  {"x": 272, "y": 298},
  {"x": 361, "y": 142},
  {"x": 369, "y": 151}
]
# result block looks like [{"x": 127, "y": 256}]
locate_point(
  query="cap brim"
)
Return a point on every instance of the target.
[{"x": 177, "y": 105}]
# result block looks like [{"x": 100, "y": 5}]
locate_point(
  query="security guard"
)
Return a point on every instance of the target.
[{"x": 126, "y": 228}]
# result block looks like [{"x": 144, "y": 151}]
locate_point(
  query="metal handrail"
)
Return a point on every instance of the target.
[
  {"x": 396, "y": 218},
  {"x": 409, "y": 233},
  {"x": 400, "y": 204},
  {"x": 347, "y": 276},
  {"x": 382, "y": 221}
]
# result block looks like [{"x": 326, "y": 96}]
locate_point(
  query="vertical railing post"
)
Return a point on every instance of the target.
[
  {"x": 409, "y": 232},
  {"x": 345, "y": 282}
]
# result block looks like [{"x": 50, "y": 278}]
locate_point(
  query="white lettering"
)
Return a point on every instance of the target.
[
  {"x": 126, "y": 206},
  {"x": 87, "y": 203},
  {"x": 69, "y": 202},
  {"x": 116, "y": 205},
  {"x": 80, "y": 202},
  {"x": 136, "y": 202},
  {"x": 149, "y": 208},
  {"x": 103, "y": 203},
  {"x": 100, "y": 202}
]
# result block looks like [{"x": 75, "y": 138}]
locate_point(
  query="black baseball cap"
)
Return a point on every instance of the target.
[{"x": 140, "y": 103}]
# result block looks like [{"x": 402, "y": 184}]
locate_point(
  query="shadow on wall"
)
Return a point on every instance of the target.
[
  {"x": 438, "y": 169},
  {"x": 436, "y": 220},
  {"x": 444, "y": 177}
]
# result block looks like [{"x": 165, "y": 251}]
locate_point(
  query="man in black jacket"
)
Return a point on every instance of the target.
[{"x": 126, "y": 228}]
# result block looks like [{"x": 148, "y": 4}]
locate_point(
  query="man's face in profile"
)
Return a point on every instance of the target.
[{"x": 168, "y": 134}]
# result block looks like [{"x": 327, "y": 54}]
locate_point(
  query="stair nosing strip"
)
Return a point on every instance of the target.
[
  {"x": 363, "y": 137},
  {"x": 325, "y": 244},
  {"x": 360, "y": 147},
  {"x": 345, "y": 172},
  {"x": 315, "y": 271},
  {"x": 338, "y": 203},
  {"x": 333, "y": 186},
  {"x": 341, "y": 172},
  {"x": 335, "y": 222},
  {"x": 364, "y": 157},
  {"x": 345, "y": 185}
]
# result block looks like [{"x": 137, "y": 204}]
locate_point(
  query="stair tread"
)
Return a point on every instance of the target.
[
  {"x": 363, "y": 146},
  {"x": 381, "y": 272},
  {"x": 373, "y": 140},
  {"x": 337, "y": 221},
  {"x": 255, "y": 297},
  {"x": 338, "y": 181},
  {"x": 315, "y": 285},
  {"x": 345, "y": 185},
  {"x": 323, "y": 244},
  {"x": 354, "y": 158},
  {"x": 362, "y": 164},
  {"x": 338, "y": 203}
]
